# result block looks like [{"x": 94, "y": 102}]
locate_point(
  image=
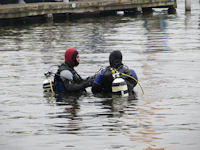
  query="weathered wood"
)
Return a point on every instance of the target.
[
  {"x": 187, "y": 5},
  {"x": 89, "y": 6}
]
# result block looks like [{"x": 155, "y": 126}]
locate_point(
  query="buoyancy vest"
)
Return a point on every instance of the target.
[{"x": 58, "y": 83}]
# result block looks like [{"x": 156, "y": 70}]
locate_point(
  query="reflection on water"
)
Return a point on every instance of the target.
[
  {"x": 163, "y": 50},
  {"x": 156, "y": 34}
]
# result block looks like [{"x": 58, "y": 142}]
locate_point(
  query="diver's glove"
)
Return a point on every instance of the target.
[{"x": 88, "y": 81}]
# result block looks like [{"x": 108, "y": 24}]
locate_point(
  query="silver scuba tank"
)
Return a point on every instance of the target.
[
  {"x": 119, "y": 86},
  {"x": 48, "y": 83}
]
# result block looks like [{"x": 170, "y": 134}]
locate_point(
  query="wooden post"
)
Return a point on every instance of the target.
[
  {"x": 21, "y": 1},
  {"x": 187, "y": 5}
]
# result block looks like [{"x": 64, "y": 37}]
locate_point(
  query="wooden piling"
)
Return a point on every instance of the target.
[
  {"x": 21, "y": 2},
  {"x": 187, "y": 5},
  {"x": 49, "y": 17}
]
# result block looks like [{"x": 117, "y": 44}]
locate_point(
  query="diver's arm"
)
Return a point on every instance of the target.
[
  {"x": 134, "y": 75},
  {"x": 73, "y": 87},
  {"x": 67, "y": 78}
]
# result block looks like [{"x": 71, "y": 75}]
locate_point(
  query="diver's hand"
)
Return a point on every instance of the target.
[{"x": 88, "y": 82}]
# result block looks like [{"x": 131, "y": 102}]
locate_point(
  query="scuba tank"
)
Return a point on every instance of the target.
[
  {"x": 119, "y": 85},
  {"x": 48, "y": 83}
]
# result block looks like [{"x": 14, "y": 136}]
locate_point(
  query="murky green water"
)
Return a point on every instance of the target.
[{"x": 163, "y": 49}]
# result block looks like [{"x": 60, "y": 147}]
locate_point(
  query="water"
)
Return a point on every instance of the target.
[{"x": 164, "y": 51}]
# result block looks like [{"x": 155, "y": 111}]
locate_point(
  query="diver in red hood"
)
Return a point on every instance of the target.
[{"x": 67, "y": 80}]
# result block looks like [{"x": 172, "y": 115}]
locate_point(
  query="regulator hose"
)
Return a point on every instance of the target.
[
  {"x": 133, "y": 79},
  {"x": 51, "y": 85}
]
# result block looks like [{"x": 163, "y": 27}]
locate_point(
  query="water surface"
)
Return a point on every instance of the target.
[{"x": 163, "y": 49}]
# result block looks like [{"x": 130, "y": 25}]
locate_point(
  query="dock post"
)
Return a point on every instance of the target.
[
  {"x": 187, "y": 5},
  {"x": 139, "y": 9},
  {"x": 21, "y": 1}
]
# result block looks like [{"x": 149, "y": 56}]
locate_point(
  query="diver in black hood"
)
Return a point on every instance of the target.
[{"x": 104, "y": 79}]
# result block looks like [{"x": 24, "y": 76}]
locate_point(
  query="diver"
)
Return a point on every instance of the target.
[
  {"x": 103, "y": 82},
  {"x": 66, "y": 79}
]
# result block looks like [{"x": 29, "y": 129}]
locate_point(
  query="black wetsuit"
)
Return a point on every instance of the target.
[{"x": 69, "y": 86}]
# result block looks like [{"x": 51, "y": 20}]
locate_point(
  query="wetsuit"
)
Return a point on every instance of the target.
[
  {"x": 104, "y": 79},
  {"x": 67, "y": 80}
]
